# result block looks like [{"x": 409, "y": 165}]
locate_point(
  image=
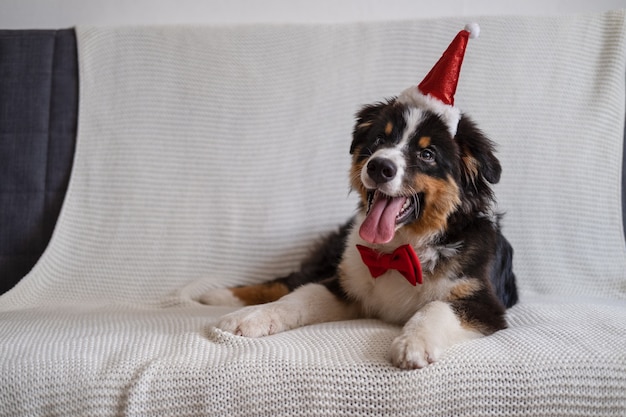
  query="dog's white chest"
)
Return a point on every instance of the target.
[{"x": 390, "y": 297}]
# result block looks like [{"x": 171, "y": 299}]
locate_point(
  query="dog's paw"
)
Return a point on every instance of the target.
[
  {"x": 414, "y": 351},
  {"x": 220, "y": 297},
  {"x": 427, "y": 335},
  {"x": 255, "y": 321}
]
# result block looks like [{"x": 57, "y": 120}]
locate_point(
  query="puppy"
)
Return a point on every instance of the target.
[{"x": 424, "y": 250}]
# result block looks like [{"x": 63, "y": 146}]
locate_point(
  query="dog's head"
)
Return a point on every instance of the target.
[{"x": 412, "y": 173}]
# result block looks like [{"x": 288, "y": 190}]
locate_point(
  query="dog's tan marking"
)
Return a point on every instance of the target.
[
  {"x": 464, "y": 289},
  {"x": 471, "y": 166},
  {"x": 441, "y": 198},
  {"x": 363, "y": 125},
  {"x": 424, "y": 142},
  {"x": 355, "y": 177},
  {"x": 388, "y": 128},
  {"x": 260, "y": 293},
  {"x": 459, "y": 294}
]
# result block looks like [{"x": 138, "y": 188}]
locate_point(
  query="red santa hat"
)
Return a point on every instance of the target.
[{"x": 436, "y": 91}]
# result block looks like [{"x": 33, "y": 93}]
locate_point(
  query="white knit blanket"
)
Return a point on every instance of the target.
[{"x": 212, "y": 156}]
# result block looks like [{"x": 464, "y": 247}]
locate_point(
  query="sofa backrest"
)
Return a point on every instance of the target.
[{"x": 178, "y": 108}]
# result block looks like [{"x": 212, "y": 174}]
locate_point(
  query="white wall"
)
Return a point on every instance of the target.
[{"x": 40, "y": 14}]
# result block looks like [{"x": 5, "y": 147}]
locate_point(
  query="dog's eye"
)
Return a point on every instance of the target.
[
  {"x": 427, "y": 155},
  {"x": 379, "y": 141}
]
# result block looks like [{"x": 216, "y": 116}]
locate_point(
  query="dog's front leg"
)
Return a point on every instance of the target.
[
  {"x": 427, "y": 334},
  {"x": 309, "y": 304}
]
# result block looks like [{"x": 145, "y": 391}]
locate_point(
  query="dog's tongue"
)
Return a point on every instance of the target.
[{"x": 379, "y": 225}]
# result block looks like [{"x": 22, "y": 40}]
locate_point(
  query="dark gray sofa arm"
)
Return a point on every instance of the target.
[{"x": 38, "y": 115}]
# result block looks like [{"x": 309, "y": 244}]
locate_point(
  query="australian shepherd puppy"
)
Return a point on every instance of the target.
[{"x": 424, "y": 250}]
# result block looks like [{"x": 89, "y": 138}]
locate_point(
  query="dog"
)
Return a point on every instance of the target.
[{"x": 425, "y": 249}]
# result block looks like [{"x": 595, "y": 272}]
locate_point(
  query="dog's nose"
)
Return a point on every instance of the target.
[{"x": 381, "y": 170}]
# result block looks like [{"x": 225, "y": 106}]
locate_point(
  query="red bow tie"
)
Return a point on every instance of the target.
[{"x": 404, "y": 260}]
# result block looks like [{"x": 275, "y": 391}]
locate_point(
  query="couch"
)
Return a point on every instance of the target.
[{"x": 144, "y": 166}]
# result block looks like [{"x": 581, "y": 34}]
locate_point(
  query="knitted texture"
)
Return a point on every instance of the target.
[{"x": 213, "y": 156}]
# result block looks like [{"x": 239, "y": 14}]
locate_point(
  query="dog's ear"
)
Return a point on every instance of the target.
[
  {"x": 478, "y": 161},
  {"x": 364, "y": 120}
]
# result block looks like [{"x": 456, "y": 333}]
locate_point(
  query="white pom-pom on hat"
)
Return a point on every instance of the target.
[{"x": 474, "y": 30}]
